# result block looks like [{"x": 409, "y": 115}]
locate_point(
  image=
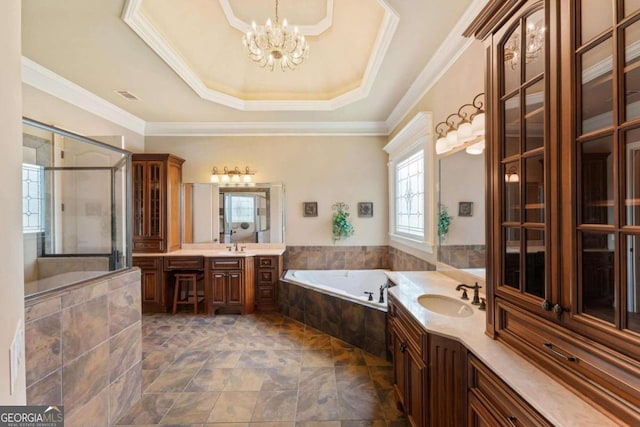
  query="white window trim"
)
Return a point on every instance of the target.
[{"x": 416, "y": 135}]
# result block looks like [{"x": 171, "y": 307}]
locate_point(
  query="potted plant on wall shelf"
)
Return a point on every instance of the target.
[
  {"x": 341, "y": 225},
  {"x": 444, "y": 221}
]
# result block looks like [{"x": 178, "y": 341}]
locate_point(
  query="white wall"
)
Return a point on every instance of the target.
[
  {"x": 40, "y": 106},
  {"x": 11, "y": 274},
  {"x": 312, "y": 168}
]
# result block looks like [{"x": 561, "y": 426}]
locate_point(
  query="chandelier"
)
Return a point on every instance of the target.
[
  {"x": 275, "y": 43},
  {"x": 534, "y": 41}
]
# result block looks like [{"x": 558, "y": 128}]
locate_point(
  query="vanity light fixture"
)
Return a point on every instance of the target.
[
  {"x": 512, "y": 175},
  {"x": 460, "y": 128},
  {"x": 234, "y": 176}
]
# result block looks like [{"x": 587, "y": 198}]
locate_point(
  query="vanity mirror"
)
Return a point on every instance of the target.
[
  {"x": 461, "y": 193},
  {"x": 213, "y": 213}
]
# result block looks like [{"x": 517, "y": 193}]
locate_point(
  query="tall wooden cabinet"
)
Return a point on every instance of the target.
[
  {"x": 156, "y": 180},
  {"x": 563, "y": 158}
]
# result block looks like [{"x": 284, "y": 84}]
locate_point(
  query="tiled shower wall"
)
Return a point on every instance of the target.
[
  {"x": 351, "y": 258},
  {"x": 84, "y": 349}
]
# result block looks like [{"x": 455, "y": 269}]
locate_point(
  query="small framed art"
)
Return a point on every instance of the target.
[
  {"x": 465, "y": 209},
  {"x": 310, "y": 209},
  {"x": 365, "y": 209}
]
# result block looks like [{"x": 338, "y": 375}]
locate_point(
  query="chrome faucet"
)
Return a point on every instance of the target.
[
  {"x": 236, "y": 248},
  {"x": 476, "y": 296}
]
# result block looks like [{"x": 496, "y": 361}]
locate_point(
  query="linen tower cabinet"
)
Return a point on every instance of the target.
[{"x": 563, "y": 158}]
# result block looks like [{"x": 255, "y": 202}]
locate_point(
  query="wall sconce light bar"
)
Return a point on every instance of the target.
[
  {"x": 232, "y": 176},
  {"x": 467, "y": 125}
]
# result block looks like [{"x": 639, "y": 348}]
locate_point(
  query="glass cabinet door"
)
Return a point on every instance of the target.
[
  {"x": 601, "y": 290},
  {"x": 522, "y": 146}
]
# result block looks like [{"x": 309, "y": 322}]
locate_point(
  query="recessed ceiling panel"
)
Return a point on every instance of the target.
[{"x": 197, "y": 40}]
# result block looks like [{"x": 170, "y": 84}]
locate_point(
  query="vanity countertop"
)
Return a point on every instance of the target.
[
  {"x": 554, "y": 401},
  {"x": 220, "y": 250}
]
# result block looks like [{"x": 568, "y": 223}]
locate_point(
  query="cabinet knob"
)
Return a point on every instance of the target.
[
  {"x": 403, "y": 347},
  {"x": 546, "y": 305},
  {"x": 557, "y": 309}
]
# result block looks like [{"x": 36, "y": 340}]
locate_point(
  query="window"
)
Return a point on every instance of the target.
[
  {"x": 411, "y": 180},
  {"x": 409, "y": 195},
  {"x": 32, "y": 198},
  {"x": 242, "y": 208}
]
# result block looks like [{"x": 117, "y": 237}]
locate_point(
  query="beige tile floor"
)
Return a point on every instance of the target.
[{"x": 257, "y": 370}]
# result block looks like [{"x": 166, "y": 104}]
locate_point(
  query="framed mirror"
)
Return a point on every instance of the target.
[
  {"x": 461, "y": 197},
  {"x": 217, "y": 214}
]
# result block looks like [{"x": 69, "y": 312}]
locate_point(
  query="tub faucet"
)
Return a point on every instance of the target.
[{"x": 382, "y": 288}]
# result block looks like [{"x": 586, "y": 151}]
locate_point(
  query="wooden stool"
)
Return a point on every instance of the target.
[{"x": 191, "y": 280}]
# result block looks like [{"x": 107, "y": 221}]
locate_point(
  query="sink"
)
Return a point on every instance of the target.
[{"x": 445, "y": 305}]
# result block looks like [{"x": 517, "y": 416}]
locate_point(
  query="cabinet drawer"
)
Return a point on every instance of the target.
[
  {"x": 401, "y": 319},
  {"x": 266, "y": 276},
  {"x": 266, "y": 262},
  {"x": 226, "y": 263},
  {"x": 583, "y": 365},
  {"x": 184, "y": 263},
  {"x": 147, "y": 262},
  {"x": 148, "y": 246},
  {"x": 266, "y": 294},
  {"x": 502, "y": 401}
]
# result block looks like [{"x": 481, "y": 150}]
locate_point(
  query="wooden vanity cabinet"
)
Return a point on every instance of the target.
[
  {"x": 563, "y": 163},
  {"x": 156, "y": 180},
  {"x": 493, "y": 403},
  {"x": 230, "y": 284},
  {"x": 153, "y": 293},
  {"x": 429, "y": 372},
  {"x": 409, "y": 367},
  {"x": 268, "y": 271}
]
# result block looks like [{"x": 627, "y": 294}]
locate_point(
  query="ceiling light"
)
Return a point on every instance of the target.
[
  {"x": 533, "y": 43},
  {"x": 276, "y": 43}
]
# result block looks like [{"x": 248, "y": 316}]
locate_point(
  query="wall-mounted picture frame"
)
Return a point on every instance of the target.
[
  {"x": 365, "y": 209},
  {"x": 465, "y": 209},
  {"x": 309, "y": 209}
]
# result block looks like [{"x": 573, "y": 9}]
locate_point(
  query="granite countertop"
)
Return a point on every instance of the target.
[
  {"x": 554, "y": 401},
  {"x": 220, "y": 250}
]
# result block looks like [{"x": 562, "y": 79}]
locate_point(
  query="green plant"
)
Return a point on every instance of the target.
[
  {"x": 444, "y": 221},
  {"x": 342, "y": 227}
]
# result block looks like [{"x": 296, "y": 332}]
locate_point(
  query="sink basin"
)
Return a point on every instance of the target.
[{"x": 445, "y": 305}]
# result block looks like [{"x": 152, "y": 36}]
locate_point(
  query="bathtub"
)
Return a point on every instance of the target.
[
  {"x": 334, "y": 302},
  {"x": 345, "y": 284}
]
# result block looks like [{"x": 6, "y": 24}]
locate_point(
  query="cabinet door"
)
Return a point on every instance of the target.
[
  {"x": 152, "y": 283},
  {"x": 417, "y": 389},
  {"x": 155, "y": 199},
  {"x": 520, "y": 191},
  {"x": 399, "y": 348},
  {"x": 235, "y": 287},
  {"x": 447, "y": 382},
  {"x": 139, "y": 194},
  {"x": 479, "y": 415},
  {"x": 218, "y": 287},
  {"x": 601, "y": 233}
]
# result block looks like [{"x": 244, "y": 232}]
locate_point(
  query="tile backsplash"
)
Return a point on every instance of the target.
[{"x": 351, "y": 258}]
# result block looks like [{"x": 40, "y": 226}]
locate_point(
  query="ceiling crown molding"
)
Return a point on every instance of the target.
[
  {"x": 307, "y": 30},
  {"x": 266, "y": 129},
  {"x": 140, "y": 25},
  {"x": 449, "y": 51},
  {"x": 47, "y": 81}
]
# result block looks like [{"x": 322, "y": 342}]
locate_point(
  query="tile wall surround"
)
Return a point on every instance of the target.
[
  {"x": 354, "y": 323},
  {"x": 462, "y": 256},
  {"x": 84, "y": 349},
  {"x": 352, "y": 258}
]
